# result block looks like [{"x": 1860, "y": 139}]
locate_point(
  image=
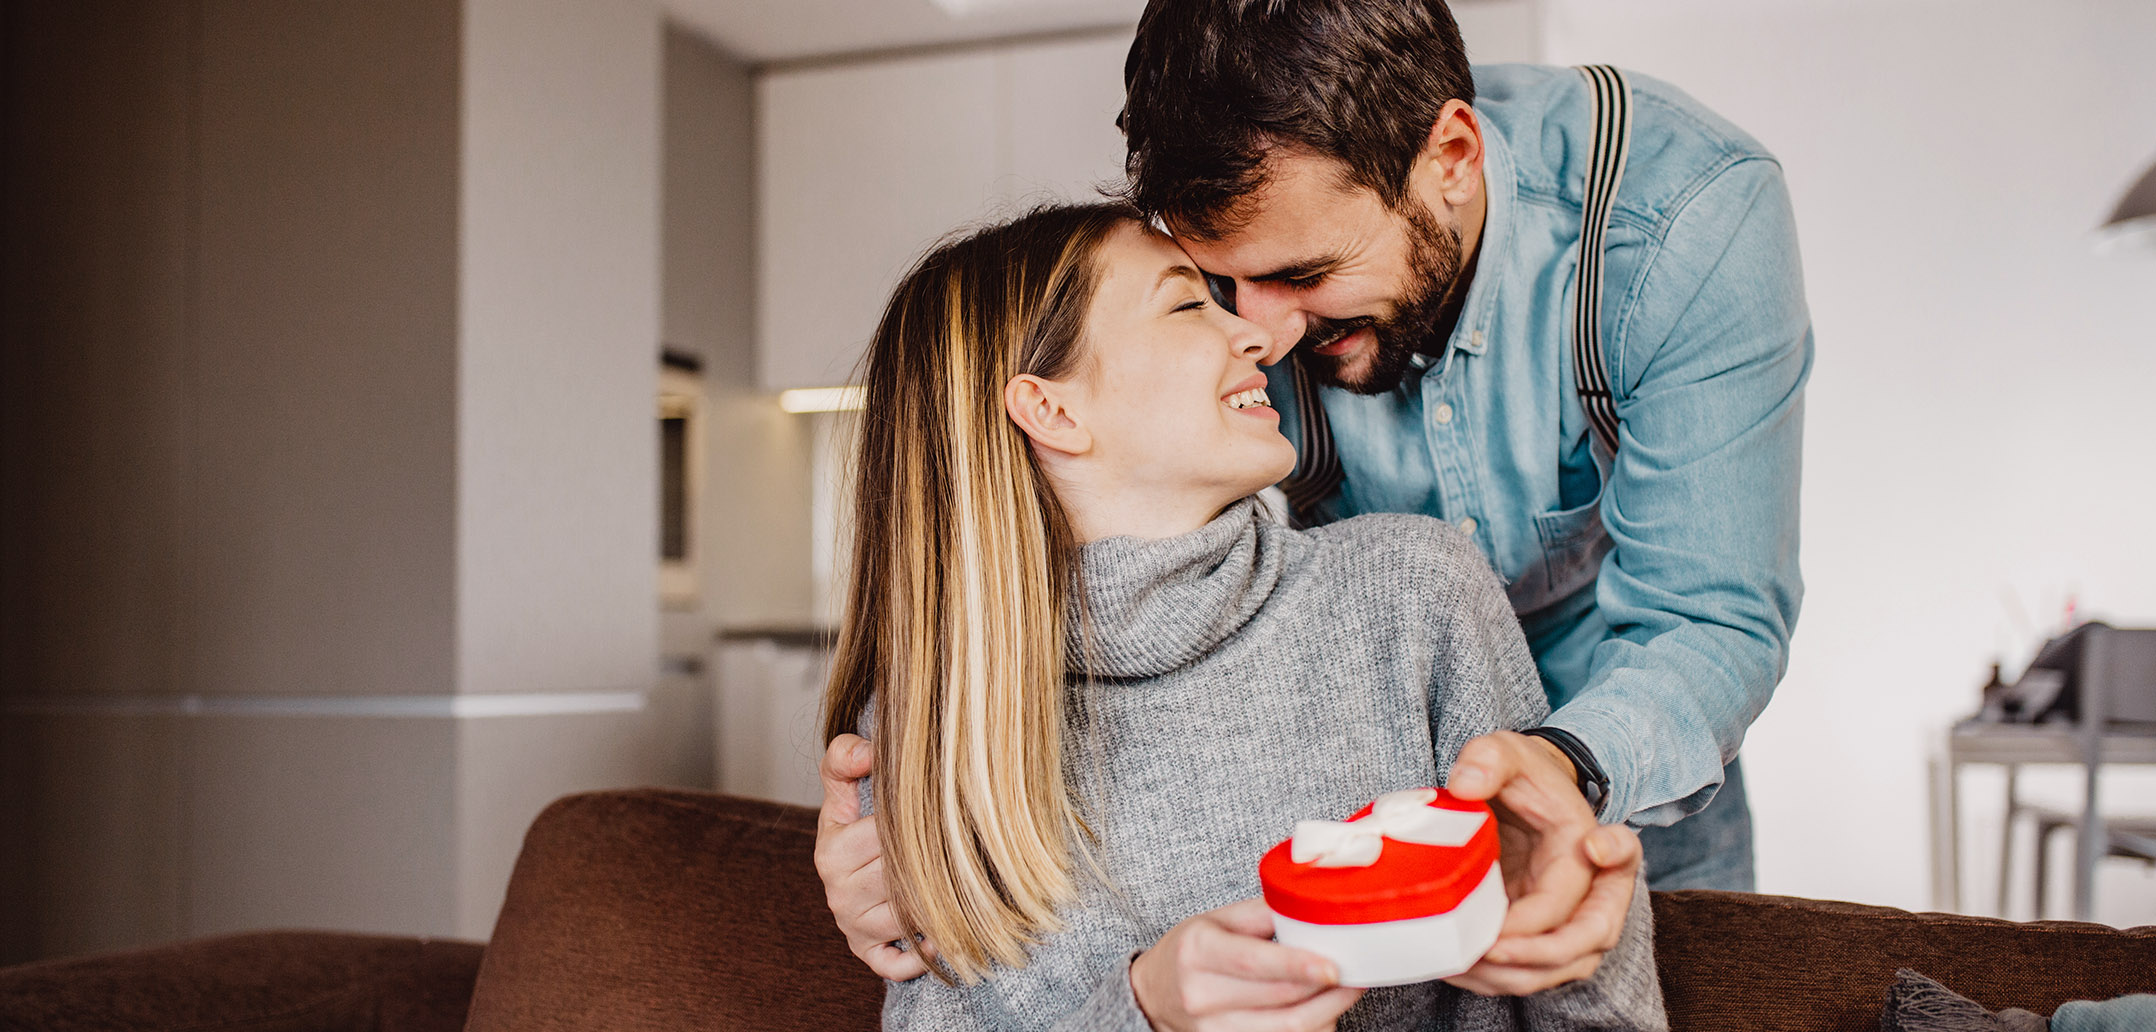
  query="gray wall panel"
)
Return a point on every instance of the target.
[{"x": 327, "y": 340}]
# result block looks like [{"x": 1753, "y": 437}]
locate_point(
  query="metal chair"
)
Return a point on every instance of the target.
[
  {"x": 2132, "y": 838},
  {"x": 2113, "y": 684}
]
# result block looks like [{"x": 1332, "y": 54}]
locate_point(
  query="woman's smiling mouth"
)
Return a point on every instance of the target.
[{"x": 1248, "y": 395}]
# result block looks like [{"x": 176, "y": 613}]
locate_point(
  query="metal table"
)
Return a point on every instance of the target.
[{"x": 2010, "y": 745}]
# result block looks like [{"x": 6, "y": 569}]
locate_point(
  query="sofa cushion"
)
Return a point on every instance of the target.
[
  {"x": 259, "y": 982},
  {"x": 1739, "y": 961},
  {"x": 657, "y": 909}
]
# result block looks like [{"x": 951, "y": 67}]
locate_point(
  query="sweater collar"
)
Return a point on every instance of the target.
[{"x": 1156, "y": 605}]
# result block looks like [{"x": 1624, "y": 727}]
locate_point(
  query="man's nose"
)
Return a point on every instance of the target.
[{"x": 1274, "y": 313}]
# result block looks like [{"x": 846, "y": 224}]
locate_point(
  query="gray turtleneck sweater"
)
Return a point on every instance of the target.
[{"x": 1242, "y": 677}]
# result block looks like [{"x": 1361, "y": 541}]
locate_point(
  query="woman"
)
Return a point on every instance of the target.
[{"x": 1101, "y": 684}]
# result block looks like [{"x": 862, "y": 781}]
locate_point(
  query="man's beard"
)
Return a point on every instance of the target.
[{"x": 1433, "y": 259}]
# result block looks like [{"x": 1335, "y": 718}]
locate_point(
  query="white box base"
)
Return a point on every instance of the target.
[{"x": 1415, "y": 950}]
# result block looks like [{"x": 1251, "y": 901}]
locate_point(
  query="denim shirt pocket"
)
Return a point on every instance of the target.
[{"x": 1573, "y": 543}]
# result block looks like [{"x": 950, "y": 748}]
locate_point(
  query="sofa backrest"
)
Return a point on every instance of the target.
[
  {"x": 1740, "y": 962},
  {"x": 652, "y": 909}
]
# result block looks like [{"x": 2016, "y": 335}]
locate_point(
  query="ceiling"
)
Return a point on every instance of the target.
[{"x": 762, "y": 31}]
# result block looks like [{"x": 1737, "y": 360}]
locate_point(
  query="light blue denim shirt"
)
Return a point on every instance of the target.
[{"x": 1658, "y": 589}]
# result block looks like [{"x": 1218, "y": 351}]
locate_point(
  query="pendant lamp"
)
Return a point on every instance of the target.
[{"x": 2133, "y": 223}]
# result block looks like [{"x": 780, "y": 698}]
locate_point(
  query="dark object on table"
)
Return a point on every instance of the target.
[{"x": 2056, "y": 684}]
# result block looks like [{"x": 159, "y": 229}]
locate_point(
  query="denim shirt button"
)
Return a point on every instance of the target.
[
  {"x": 1443, "y": 415},
  {"x": 1468, "y": 525}
]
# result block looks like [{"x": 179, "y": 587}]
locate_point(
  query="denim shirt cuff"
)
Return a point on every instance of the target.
[{"x": 1628, "y": 758}]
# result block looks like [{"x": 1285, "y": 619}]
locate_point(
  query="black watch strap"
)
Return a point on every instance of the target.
[{"x": 1594, "y": 784}]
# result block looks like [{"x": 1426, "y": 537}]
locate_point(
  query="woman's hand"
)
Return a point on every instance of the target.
[
  {"x": 1570, "y": 880},
  {"x": 849, "y": 859},
  {"x": 1221, "y": 970}
]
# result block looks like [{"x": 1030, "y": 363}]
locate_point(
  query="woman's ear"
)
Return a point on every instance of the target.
[{"x": 1040, "y": 408}]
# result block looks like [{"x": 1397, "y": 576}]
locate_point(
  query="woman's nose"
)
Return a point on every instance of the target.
[{"x": 1249, "y": 340}]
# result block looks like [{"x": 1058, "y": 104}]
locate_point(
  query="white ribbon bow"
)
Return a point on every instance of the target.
[{"x": 1401, "y": 816}]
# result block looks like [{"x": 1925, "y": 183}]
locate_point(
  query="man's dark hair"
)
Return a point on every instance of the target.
[{"x": 1210, "y": 84}]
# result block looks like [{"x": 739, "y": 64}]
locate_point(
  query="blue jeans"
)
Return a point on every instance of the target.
[{"x": 1711, "y": 849}]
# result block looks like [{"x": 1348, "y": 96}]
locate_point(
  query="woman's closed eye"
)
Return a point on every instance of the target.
[{"x": 1191, "y": 305}]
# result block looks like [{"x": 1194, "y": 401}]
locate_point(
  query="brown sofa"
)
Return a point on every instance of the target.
[{"x": 667, "y": 910}]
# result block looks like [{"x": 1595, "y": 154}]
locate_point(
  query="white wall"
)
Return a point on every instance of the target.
[
  {"x": 557, "y": 468},
  {"x": 1977, "y": 426},
  {"x": 867, "y": 162},
  {"x": 864, "y": 164},
  {"x": 558, "y": 326}
]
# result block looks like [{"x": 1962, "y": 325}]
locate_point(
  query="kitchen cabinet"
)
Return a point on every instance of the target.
[{"x": 864, "y": 165}]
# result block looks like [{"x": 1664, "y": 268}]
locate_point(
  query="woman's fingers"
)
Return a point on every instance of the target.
[
  {"x": 849, "y": 860},
  {"x": 845, "y": 762},
  {"x": 1246, "y": 959},
  {"x": 1220, "y": 969},
  {"x": 888, "y": 961},
  {"x": 879, "y": 923},
  {"x": 1246, "y": 917},
  {"x": 845, "y": 844},
  {"x": 1320, "y": 1013},
  {"x": 844, "y": 850}
]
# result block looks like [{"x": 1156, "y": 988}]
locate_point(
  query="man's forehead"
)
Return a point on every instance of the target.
[
  {"x": 1254, "y": 249},
  {"x": 1299, "y": 215}
]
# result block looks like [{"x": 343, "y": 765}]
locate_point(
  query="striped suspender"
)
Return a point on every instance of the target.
[
  {"x": 1611, "y": 108},
  {"x": 1317, "y": 466},
  {"x": 1317, "y": 469}
]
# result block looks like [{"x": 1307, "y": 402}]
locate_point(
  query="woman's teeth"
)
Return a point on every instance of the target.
[{"x": 1253, "y": 396}]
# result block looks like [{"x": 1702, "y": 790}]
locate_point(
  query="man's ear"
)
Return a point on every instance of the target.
[
  {"x": 1039, "y": 408},
  {"x": 1449, "y": 168}
]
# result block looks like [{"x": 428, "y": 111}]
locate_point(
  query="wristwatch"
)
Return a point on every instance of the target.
[{"x": 1594, "y": 784}]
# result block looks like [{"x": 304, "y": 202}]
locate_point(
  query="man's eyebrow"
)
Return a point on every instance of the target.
[{"x": 1304, "y": 269}]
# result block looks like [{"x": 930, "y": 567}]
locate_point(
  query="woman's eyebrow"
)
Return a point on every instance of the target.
[{"x": 1177, "y": 272}]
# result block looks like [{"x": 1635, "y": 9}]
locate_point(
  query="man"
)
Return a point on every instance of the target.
[{"x": 1412, "y": 233}]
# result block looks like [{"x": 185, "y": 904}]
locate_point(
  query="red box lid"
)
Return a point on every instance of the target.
[{"x": 1409, "y": 880}]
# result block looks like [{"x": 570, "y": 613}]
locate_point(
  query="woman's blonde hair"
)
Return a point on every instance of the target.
[{"x": 963, "y": 575}]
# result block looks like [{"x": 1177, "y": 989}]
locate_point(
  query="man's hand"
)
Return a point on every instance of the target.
[
  {"x": 1570, "y": 880},
  {"x": 849, "y": 859},
  {"x": 1221, "y": 970}
]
